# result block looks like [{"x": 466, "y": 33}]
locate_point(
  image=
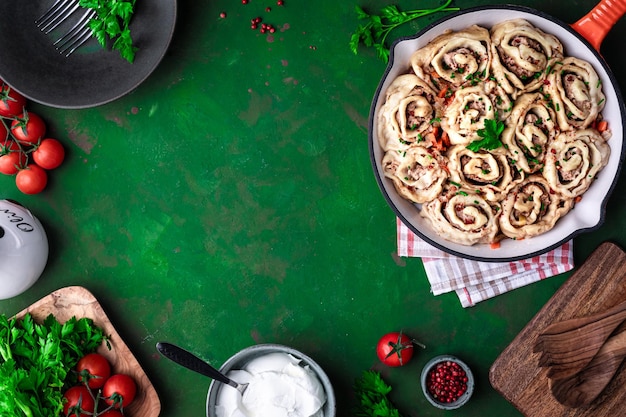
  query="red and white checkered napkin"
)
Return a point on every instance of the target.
[{"x": 475, "y": 281}]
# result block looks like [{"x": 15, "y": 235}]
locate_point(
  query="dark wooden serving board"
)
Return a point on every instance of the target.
[{"x": 598, "y": 284}]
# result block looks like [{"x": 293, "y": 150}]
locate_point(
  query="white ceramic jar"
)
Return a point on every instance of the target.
[{"x": 23, "y": 249}]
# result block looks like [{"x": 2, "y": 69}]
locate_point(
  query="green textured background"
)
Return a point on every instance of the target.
[{"x": 230, "y": 200}]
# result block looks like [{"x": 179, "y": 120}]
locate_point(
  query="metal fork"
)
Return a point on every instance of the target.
[
  {"x": 77, "y": 35},
  {"x": 56, "y": 14}
]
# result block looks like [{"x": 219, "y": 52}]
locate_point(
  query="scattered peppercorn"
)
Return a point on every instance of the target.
[
  {"x": 223, "y": 15},
  {"x": 256, "y": 23}
]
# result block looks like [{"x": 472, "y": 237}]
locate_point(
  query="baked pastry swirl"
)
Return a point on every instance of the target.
[
  {"x": 491, "y": 174},
  {"x": 494, "y": 133},
  {"x": 531, "y": 126},
  {"x": 522, "y": 55},
  {"x": 466, "y": 114},
  {"x": 463, "y": 216},
  {"x": 576, "y": 92},
  {"x": 407, "y": 116},
  {"x": 454, "y": 59},
  {"x": 532, "y": 208},
  {"x": 574, "y": 159},
  {"x": 418, "y": 173}
]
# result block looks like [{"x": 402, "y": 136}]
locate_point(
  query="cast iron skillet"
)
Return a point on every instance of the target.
[
  {"x": 91, "y": 76},
  {"x": 581, "y": 40}
]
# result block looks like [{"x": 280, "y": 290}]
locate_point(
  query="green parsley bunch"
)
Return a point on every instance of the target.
[
  {"x": 372, "y": 396},
  {"x": 374, "y": 32},
  {"x": 112, "y": 23},
  {"x": 35, "y": 360}
]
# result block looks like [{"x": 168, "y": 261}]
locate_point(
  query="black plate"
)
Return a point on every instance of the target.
[{"x": 91, "y": 76}]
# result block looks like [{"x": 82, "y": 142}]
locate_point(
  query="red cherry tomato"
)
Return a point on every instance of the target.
[
  {"x": 11, "y": 157},
  {"x": 95, "y": 368},
  {"x": 12, "y": 162},
  {"x": 11, "y": 102},
  {"x": 79, "y": 402},
  {"x": 4, "y": 134},
  {"x": 49, "y": 154},
  {"x": 119, "y": 390},
  {"x": 29, "y": 128},
  {"x": 32, "y": 179},
  {"x": 395, "y": 349}
]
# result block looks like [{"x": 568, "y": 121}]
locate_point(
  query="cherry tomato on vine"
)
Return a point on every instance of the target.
[
  {"x": 49, "y": 154},
  {"x": 11, "y": 162},
  {"x": 95, "y": 368},
  {"x": 79, "y": 402},
  {"x": 29, "y": 128},
  {"x": 119, "y": 390},
  {"x": 395, "y": 349},
  {"x": 11, "y": 102},
  {"x": 12, "y": 158},
  {"x": 4, "y": 134},
  {"x": 32, "y": 179}
]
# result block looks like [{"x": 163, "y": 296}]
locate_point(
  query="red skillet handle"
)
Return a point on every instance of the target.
[{"x": 596, "y": 24}]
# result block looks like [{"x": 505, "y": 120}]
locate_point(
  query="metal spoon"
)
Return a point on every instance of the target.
[
  {"x": 584, "y": 387},
  {"x": 190, "y": 361}
]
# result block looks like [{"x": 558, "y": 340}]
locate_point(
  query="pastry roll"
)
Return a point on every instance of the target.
[
  {"x": 408, "y": 114},
  {"x": 522, "y": 54},
  {"x": 466, "y": 114},
  {"x": 463, "y": 217},
  {"x": 488, "y": 173},
  {"x": 532, "y": 208},
  {"x": 460, "y": 91},
  {"x": 530, "y": 128},
  {"x": 573, "y": 160},
  {"x": 500, "y": 99},
  {"x": 454, "y": 58},
  {"x": 418, "y": 173},
  {"x": 576, "y": 91}
]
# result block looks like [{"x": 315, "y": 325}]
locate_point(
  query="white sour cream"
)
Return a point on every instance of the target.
[{"x": 278, "y": 387}]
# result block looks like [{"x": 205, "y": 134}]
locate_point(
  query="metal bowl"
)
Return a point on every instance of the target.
[
  {"x": 589, "y": 212},
  {"x": 243, "y": 357},
  {"x": 463, "y": 399}
]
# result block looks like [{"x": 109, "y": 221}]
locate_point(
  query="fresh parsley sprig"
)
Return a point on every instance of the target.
[
  {"x": 374, "y": 32},
  {"x": 490, "y": 135},
  {"x": 112, "y": 24},
  {"x": 371, "y": 394},
  {"x": 36, "y": 359}
]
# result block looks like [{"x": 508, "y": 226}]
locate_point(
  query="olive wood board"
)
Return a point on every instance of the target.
[
  {"x": 78, "y": 302},
  {"x": 599, "y": 283}
]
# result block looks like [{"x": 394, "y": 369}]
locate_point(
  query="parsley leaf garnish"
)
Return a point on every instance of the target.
[
  {"x": 490, "y": 135},
  {"x": 36, "y": 360},
  {"x": 112, "y": 24},
  {"x": 371, "y": 394},
  {"x": 373, "y": 33}
]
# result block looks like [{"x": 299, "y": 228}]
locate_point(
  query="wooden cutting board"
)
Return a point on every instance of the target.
[
  {"x": 598, "y": 284},
  {"x": 78, "y": 302}
]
